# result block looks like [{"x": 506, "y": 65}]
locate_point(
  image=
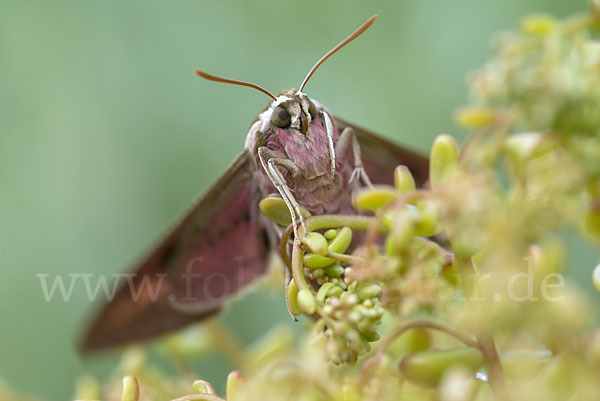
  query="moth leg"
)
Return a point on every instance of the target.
[
  {"x": 347, "y": 139},
  {"x": 332, "y": 148},
  {"x": 270, "y": 164}
]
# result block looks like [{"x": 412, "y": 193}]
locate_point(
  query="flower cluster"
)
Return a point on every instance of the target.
[{"x": 456, "y": 291}]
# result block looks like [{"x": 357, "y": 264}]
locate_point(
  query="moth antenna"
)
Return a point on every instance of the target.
[
  {"x": 343, "y": 43},
  {"x": 234, "y": 82}
]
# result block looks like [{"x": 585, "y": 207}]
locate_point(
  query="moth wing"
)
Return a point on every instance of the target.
[
  {"x": 381, "y": 156},
  {"x": 217, "y": 249}
]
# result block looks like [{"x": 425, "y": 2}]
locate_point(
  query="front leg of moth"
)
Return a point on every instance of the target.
[
  {"x": 270, "y": 163},
  {"x": 347, "y": 139}
]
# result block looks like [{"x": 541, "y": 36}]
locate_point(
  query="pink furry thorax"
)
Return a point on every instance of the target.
[{"x": 312, "y": 185}]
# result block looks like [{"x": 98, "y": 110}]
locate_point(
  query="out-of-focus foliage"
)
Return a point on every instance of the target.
[{"x": 464, "y": 297}]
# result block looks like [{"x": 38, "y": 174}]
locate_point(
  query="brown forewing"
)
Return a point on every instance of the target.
[{"x": 217, "y": 249}]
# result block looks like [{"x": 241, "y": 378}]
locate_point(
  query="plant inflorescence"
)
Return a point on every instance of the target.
[{"x": 455, "y": 291}]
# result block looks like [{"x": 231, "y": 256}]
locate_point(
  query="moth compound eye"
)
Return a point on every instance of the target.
[
  {"x": 312, "y": 109},
  {"x": 281, "y": 117}
]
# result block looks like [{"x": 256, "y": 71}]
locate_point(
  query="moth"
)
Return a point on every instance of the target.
[{"x": 295, "y": 148}]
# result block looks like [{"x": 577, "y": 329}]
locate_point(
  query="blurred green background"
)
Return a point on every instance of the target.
[{"x": 106, "y": 135}]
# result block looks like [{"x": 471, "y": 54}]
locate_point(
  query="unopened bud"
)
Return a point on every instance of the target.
[
  {"x": 235, "y": 384},
  {"x": 203, "y": 387},
  {"x": 539, "y": 25},
  {"x": 342, "y": 241},
  {"x": 276, "y": 210},
  {"x": 131, "y": 389},
  {"x": 426, "y": 368},
  {"x": 443, "y": 160},
  {"x": 374, "y": 198},
  {"x": 403, "y": 179},
  {"x": 475, "y": 117},
  {"x": 292, "y": 299},
  {"x": 324, "y": 291},
  {"x": 316, "y": 242},
  {"x": 335, "y": 270},
  {"x": 314, "y": 261},
  {"x": 369, "y": 291},
  {"x": 307, "y": 301}
]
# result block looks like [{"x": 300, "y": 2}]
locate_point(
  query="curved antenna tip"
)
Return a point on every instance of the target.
[
  {"x": 343, "y": 43},
  {"x": 214, "y": 78}
]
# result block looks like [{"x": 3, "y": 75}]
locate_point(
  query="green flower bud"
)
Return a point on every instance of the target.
[
  {"x": 426, "y": 368},
  {"x": 292, "y": 299},
  {"x": 335, "y": 270},
  {"x": 342, "y": 241},
  {"x": 443, "y": 160},
  {"x": 539, "y": 25},
  {"x": 548, "y": 258},
  {"x": 307, "y": 301},
  {"x": 235, "y": 384},
  {"x": 131, "y": 389},
  {"x": 413, "y": 340},
  {"x": 203, "y": 387},
  {"x": 450, "y": 270},
  {"x": 314, "y": 261},
  {"x": 316, "y": 243},
  {"x": 374, "y": 198},
  {"x": 368, "y": 313},
  {"x": 367, "y": 291},
  {"x": 324, "y": 291},
  {"x": 317, "y": 273},
  {"x": 371, "y": 336},
  {"x": 475, "y": 117},
  {"x": 335, "y": 291},
  {"x": 330, "y": 234},
  {"x": 403, "y": 179},
  {"x": 276, "y": 210}
]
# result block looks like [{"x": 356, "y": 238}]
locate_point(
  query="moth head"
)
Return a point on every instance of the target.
[{"x": 291, "y": 108}]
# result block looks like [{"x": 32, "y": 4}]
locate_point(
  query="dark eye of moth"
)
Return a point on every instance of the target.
[{"x": 280, "y": 117}]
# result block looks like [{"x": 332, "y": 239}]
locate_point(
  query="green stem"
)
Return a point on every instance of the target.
[
  {"x": 496, "y": 377},
  {"x": 298, "y": 267},
  {"x": 421, "y": 324},
  {"x": 342, "y": 257}
]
